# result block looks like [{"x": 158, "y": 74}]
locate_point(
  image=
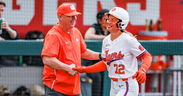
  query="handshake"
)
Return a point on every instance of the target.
[
  {"x": 98, "y": 67},
  {"x": 80, "y": 69},
  {"x": 72, "y": 70}
]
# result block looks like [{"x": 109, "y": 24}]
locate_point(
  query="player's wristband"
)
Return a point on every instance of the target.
[{"x": 100, "y": 56}]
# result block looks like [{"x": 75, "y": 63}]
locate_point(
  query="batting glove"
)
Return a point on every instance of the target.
[{"x": 141, "y": 76}]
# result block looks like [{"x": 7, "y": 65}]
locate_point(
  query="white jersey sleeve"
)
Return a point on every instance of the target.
[{"x": 135, "y": 47}]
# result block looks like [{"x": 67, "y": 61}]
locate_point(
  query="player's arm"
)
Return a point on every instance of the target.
[
  {"x": 90, "y": 55},
  {"x": 146, "y": 59},
  {"x": 97, "y": 67},
  {"x": 90, "y": 35},
  {"x": 54, "y": 63}
]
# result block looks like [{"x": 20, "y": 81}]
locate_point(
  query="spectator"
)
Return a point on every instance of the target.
[
  {"x": 7, "y": 33},
  {"x": 33, "y": 60},
  {"x": 63, "y": 48},
  {"x": 34, "y": 35},
  {"x": 97, "y": 31}
]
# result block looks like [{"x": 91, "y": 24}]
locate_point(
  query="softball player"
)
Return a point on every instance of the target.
[{"x": 120, "y": 52}]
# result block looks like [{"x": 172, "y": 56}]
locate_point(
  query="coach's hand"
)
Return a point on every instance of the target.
[
  {"x": 70, "y": 71},
  {"x": 141, "y": 76},
  {"x": 80, "y": 69}
]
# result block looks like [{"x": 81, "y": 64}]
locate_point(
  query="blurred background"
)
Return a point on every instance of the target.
[
  {"x": 40, "y": 15},
  {"x": 160, "y": 20}
]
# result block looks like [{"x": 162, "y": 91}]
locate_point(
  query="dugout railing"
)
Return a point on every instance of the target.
[{"x": 155, "y": 47}]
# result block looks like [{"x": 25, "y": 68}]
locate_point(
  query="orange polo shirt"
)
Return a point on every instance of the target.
[{"x": 67, "y": 48}]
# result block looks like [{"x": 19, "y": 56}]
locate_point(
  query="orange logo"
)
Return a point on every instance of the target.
[
  {"x": 113, "y": 9},
  {"x": 114, "y": 55},
  {"x": 141, "y": 47}
]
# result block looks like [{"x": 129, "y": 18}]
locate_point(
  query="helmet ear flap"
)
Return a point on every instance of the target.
[{"x": 120, "y": 25}]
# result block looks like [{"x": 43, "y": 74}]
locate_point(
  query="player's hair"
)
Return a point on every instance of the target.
[
  {"x": 129, "y": 33},
  {"x": 123, "y": 30},
  {"x": 2, "y": 3}
]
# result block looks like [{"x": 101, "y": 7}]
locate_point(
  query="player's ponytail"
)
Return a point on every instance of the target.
[
  {"x": 129, "y": 33},
  {"x": 119, "y": 25}
]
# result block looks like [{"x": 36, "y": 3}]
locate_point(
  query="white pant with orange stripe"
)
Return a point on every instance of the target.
[{"x": 128, "y": 87}]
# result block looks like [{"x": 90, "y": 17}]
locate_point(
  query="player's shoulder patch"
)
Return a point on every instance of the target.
[{"x": 141, "y": 47}]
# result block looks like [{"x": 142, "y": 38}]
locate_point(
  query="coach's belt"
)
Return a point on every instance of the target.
[{"x": 123, "y": 79}]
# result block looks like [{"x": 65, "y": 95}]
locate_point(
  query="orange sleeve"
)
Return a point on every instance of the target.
[
  {"x": 78, "y": 35},
  {"x": 97, "y": 67},
  {"x": 146, "y": 61},
  {"x": 82, "y": 44},
  {"x": 50, "y": 46}
]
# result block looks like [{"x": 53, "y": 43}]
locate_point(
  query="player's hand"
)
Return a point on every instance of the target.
[
  {"x": 141, "y": 76},
  {"x": 70, "y": 71},
  {"x": 80, "y": 69}
]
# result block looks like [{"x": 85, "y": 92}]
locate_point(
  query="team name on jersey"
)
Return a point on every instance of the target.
[{"x": 113, "y": 56}]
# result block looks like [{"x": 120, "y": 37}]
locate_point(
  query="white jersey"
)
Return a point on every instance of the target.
[{"x": 121, "y": 55}]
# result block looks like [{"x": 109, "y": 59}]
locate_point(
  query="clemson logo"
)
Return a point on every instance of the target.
[
  {"x": 72, "y": 7},
  {"x": 141, "y": 47},
  {"x": 113, "y": 9}
]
